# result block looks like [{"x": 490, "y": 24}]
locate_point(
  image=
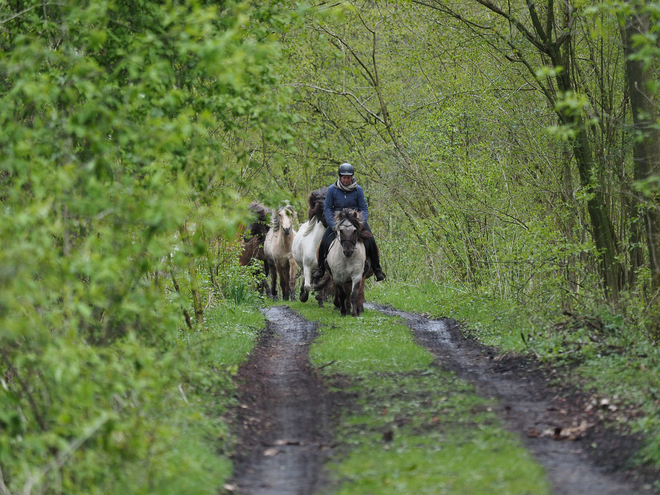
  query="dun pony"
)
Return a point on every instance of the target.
[
  {"x": 346, "y": 261},
  {"x": 277, "y": 248}
]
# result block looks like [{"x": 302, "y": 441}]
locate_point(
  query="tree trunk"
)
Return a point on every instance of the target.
[
  {"x": 612, "y": 272},
  {"x": 646, "y": 143}
]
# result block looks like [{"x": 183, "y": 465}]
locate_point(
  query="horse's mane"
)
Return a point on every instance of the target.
[
  {"x": 355, "y": 218},
  {"x": 260, "y": 226},
  {"x": 275, "y": 223},
  {"x": 316, "y": 200}
]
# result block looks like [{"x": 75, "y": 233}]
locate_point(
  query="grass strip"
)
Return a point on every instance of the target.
[{"x": 408, "y": 426}]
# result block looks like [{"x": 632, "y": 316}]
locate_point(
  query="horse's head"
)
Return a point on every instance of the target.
[
  {"x": 283, "y": 218},
  {"x": 348, "y": 226}
]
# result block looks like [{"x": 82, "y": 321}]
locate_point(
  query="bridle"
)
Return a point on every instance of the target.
[{"x": 351, "y": 241}]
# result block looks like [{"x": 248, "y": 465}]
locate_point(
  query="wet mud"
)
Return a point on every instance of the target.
[{"x": 283, "y": 413}]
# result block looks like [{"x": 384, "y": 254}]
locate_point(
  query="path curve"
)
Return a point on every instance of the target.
[{"x": 525, "y": 406}]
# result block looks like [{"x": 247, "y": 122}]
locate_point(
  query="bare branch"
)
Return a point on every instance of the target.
[
  {"x": 3, "y": 488},
  {"x": 545, "y": 35},
  {"x": 18, "y": 14},
  {"x": 346, "y": 94}
]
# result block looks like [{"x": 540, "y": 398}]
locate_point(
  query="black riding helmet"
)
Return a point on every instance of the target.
[{"x": 346, "y": 169}]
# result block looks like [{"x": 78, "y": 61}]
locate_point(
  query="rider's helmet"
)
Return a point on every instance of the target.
[{"x": 346, "y": 169}]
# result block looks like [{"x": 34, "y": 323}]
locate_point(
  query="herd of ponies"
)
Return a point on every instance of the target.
[{"x": 283, "y": 250}]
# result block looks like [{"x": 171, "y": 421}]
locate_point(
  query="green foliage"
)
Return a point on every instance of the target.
[
  {"x": 124, "y": 418},
  {"x": 119, "y": 169}
]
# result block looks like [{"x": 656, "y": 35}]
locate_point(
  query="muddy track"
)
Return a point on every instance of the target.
[
  {"x": 591, "y": 465},
  {"x": 283, "y": 418},
  {"x": 283, "y": 415}
]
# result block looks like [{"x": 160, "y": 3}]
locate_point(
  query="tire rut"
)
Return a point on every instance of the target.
[
  {"x": 283, "y": 412},
  {"x": 526, "y": 405}
]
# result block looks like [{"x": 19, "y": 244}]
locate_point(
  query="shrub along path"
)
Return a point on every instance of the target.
[{"x": 434, "y": 433}]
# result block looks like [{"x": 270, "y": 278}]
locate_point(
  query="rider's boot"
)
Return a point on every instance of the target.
[
  {"x": 320, "y": 271},
  {"x": 374, "y": 257}
]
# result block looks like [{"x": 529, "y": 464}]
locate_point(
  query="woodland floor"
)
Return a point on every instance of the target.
[{"x": 285, "y": 417}]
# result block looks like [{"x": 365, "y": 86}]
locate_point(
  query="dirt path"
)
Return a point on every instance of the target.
[
  {"x": 283, "y": 412},
  {"x": 589, "y": 465},
  {"x": 285, "y": 409}
]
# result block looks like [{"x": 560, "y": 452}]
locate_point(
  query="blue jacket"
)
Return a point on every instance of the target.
[{"x": 336, "y": 199}]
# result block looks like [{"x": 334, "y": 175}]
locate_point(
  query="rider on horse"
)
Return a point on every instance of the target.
[{"x": 345, "y": 193}]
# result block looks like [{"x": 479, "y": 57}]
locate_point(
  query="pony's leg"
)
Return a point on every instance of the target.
[
  {"x": 266, "y": 286},
  {"x": 304, "y": 294},
  {"x": 293, "y": 268},
  {"x": 273, "y": 280},
  {"x": 355, "y": 296},
  {"x": 284, "y": 283},
  {"x": 361, "y": 297},
  {"x": 340, "y": 294},
  {"x": 306, "y": 284}
]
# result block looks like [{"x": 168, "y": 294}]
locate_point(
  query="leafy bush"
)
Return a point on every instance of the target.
[{"x": 115, "y": 177}]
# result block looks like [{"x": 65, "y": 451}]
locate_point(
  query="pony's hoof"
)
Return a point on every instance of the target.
[{"x": 304, "y": 296}]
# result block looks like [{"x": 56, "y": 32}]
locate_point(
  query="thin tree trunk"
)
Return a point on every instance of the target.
[
  {"x": 646, "y": 143},
  {"x": 601, "y": 223}
]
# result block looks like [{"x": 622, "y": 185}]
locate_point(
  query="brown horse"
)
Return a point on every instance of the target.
[{"x": 253, "y": 242}]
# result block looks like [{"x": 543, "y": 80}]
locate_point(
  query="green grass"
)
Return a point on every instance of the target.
[
  {"x": 413, "y": 428},
  {"x": 232, "y": 333},
  {"x": 489, "y": 319}
]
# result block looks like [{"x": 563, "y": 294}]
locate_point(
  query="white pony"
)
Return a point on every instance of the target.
[
  {"x": 277, "y": 248},
  {"x": 308, "y": 239},
  {"x": 346, "y": 261}
]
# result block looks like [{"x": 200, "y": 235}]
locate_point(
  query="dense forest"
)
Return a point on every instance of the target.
[{"x": 509, "y": 151}]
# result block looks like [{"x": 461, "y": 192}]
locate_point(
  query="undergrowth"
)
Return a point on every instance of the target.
[{"x": 127, "y": 418}]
